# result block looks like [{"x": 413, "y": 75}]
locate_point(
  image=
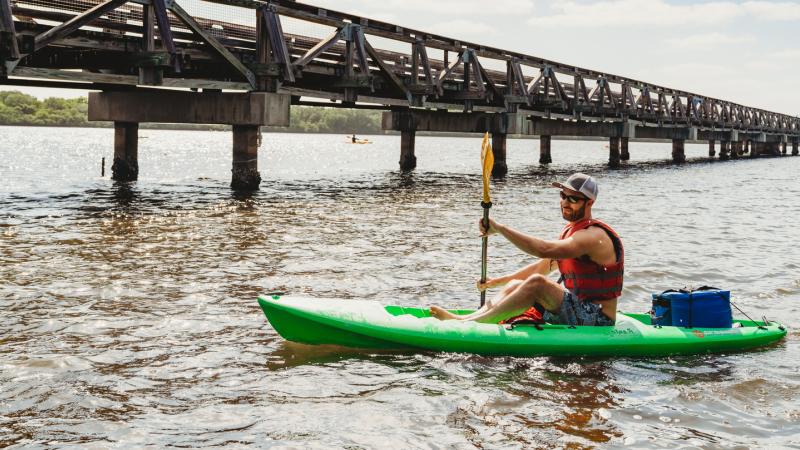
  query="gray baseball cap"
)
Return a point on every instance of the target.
[{"x": 580, "y": 182}]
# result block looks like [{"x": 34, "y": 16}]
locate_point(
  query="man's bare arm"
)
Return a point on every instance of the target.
[{"x": 581, "y": 243}]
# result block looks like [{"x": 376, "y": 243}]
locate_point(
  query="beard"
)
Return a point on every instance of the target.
[{"x": 571, "y": 215}]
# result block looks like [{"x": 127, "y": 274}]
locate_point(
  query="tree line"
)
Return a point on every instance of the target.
[{"x": 17, "y": 108}]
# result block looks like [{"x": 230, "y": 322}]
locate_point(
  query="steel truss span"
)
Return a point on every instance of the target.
[{"x": 242, "y": 45}]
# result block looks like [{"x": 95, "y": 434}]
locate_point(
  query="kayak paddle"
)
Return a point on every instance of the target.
[{"x": 487, "y": 162}]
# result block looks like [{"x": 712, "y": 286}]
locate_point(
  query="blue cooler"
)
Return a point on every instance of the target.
[{"x": 702, "y": 308}]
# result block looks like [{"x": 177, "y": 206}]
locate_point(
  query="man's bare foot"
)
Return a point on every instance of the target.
[{"x": 443, "y": 314}]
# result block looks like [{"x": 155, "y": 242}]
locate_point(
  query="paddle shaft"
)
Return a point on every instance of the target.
[{"x": 484, "y": 248}]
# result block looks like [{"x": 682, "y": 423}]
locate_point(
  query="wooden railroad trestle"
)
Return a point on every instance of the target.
[{"x": 116, "y": 45}]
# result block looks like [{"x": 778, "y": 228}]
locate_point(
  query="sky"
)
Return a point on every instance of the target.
[{"x": 747, "y": 52}]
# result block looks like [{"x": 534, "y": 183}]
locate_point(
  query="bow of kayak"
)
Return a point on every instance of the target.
[{"x": 368, "y": 324}]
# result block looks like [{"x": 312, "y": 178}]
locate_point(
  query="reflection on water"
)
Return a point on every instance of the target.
[{"x": 130, "y": 315}]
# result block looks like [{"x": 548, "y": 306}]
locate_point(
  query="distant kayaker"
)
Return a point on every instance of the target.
[
  {"x": 354, "y": 138},
  {"x": 588, "y": 254}
]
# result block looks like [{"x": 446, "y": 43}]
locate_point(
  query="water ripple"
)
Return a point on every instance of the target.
[{"x": 129, "y": 313}]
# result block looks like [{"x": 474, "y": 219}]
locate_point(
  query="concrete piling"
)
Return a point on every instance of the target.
[
  {"x": 794, "y": 148},
  {"x": 544, "y": 150},
  {"x": 735, "y": 150},
  {"x": 126, "y": 151},
  {"x": 678, "y": 154},
  {"x": 408, "y": 161},
  {"x": 244, "y": 173},
  {"x": 711, "y": 149},
  {"x": 624, "y": 155},
  {"x": 724, "y": 150},
  {"x": 613, "y": 152},
  {"x": 500, "y": 169}
]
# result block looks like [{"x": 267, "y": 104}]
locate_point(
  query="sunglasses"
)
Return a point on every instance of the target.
[{"x": 573, "y": 199}]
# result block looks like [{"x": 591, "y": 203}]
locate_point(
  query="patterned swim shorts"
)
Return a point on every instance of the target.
[{"x": 576, "y": 312}]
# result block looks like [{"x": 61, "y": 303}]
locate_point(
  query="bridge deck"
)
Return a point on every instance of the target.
[{"x": 363, "y": 60}]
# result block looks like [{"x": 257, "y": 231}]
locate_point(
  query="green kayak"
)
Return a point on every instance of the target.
[{"x": 368, "y": 324}]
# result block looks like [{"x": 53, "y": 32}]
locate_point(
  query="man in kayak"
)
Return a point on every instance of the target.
[{"x": 588, "y": 254}]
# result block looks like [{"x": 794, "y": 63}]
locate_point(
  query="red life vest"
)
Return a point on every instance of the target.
[{"x": 586, "y": 279}]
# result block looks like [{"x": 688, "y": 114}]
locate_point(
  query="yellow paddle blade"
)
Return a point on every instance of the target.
[{"x": 487, "y": 162}]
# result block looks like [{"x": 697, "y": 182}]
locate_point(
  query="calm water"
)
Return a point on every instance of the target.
[{"x": 129, "y": 315}]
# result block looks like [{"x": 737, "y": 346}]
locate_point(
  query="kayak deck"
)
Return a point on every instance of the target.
[{"x": 368, "y": 324}]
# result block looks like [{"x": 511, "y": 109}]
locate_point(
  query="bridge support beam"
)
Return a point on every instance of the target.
[
  {"x": 500, "y": 168},
  {"x": 553, "y": 127},
  {"x": 795, "y": 151},
  {"x": 455, "y": 122},
  {"x": 678, "y": 154},
  {"x": 624, "y": 155},
  {"x": 613, "y": 152},
  {"x": 408, "y": 161},
  {"x": 544, "y": 150},
  {"x": 244, "y": 173},
  {"x": 126, "y": 152},
  {"x": 150, "y": 73},
  {"x": 711, "y": 149},
  {"x": 409, "y": 121},
  {"x": 245, "y": 112},
  {"x": 783, "y": 148},
  {"x": 668, "y": 133}
]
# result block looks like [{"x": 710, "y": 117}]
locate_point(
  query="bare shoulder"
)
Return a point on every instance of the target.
[
  {"x": 599, "y": 245},
  {"x": 591, "y": 234}
]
